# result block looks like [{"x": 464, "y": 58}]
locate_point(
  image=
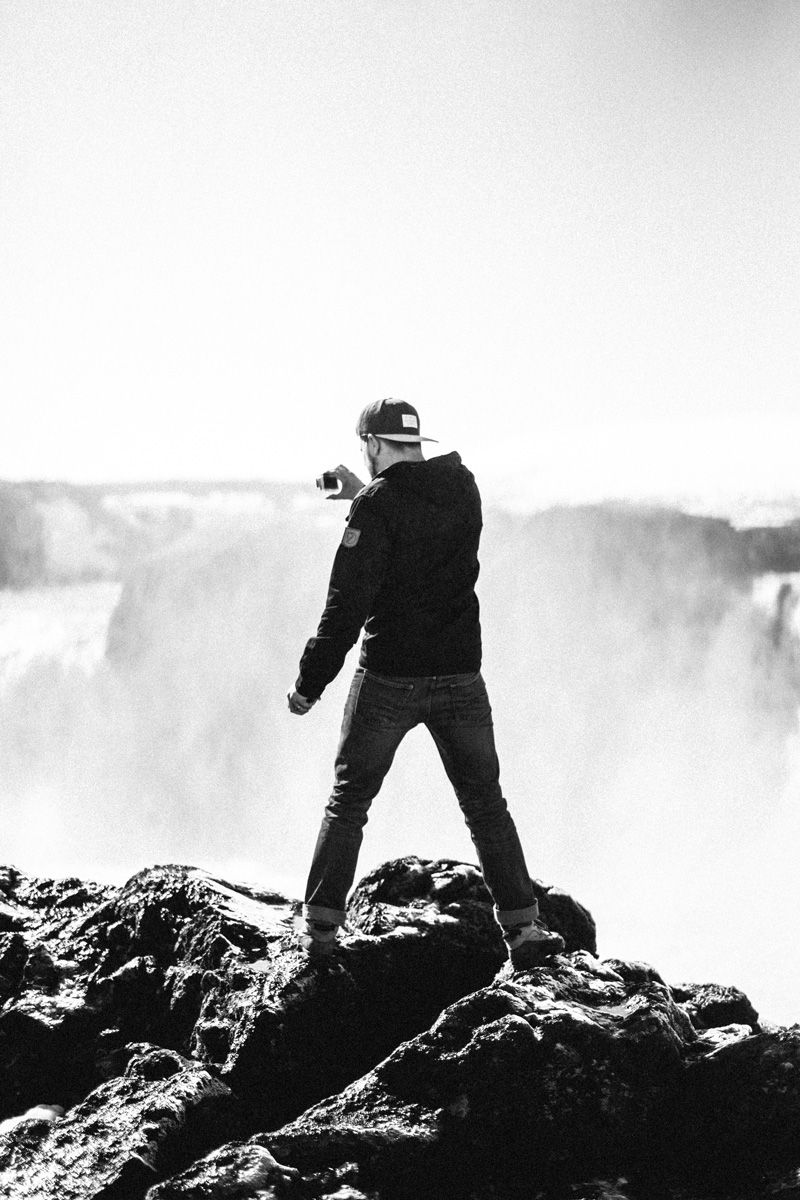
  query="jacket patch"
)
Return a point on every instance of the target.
[{"x": 351, "y": 537}]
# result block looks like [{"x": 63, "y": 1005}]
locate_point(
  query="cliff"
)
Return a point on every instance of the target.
[
  {"x": 196, "y": 1052},
  {"x": 61, "y": 533}
]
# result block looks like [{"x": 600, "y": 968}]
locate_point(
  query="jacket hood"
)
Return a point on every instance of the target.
[{"x": 439, "y": 480}]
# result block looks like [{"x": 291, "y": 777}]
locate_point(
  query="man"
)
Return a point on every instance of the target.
[{"x": 405, "y": 572}]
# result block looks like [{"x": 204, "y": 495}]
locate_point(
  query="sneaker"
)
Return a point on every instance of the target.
[
  {"x": 529, "y": 945},
  {"x": 318, "y": 938}
]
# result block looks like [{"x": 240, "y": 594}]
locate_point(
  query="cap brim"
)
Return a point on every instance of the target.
[{"x": 403, "y": 437}]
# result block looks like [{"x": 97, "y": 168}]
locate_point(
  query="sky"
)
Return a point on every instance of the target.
[{"x": 567, "y": 230}]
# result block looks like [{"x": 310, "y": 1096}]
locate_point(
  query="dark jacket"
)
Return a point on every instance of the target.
[{"x": 406, "y": 572}]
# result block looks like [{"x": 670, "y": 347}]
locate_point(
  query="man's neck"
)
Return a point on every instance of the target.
[{"x": 390, "y": 457}]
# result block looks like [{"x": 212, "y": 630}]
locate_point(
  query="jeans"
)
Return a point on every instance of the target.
[{"x": 378, "y": 714}]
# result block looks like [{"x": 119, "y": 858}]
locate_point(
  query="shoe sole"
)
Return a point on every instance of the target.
[
  {"x": 533, "y": 954},
  {"x": 315, "y": 949}
]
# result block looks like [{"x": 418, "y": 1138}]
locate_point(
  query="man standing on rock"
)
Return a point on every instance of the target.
[{"x": 405, "y": 572}]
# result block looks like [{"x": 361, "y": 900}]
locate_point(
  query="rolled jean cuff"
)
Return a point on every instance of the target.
[
  {"x": 333, "y": 916},
  {"x": 509, "y": 917}
]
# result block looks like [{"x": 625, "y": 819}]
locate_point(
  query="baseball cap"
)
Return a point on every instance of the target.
[{"x": 394, "y": 420}]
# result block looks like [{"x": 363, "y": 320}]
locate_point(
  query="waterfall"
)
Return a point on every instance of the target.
[{"x": 645, "y": 693}]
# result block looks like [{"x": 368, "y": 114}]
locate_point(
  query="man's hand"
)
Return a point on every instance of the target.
[
  {"x": 298, "y": 704},
  {"x": 351, "y": 484}
]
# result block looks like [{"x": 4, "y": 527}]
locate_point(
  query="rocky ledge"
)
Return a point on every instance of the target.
[{"x": 169, "y": 1040}]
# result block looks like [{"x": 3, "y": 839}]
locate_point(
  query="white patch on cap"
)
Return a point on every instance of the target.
[
  {"x": 410, "y": 421},
  {"x": 351, "y": 537}
]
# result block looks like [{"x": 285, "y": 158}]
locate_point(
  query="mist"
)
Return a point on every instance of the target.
[{"x": 645, "y": 697}]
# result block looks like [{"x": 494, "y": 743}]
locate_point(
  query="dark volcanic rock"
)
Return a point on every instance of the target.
[
  {"x": 242, "y": 1170},
  {"x": 741, "y": 1104},
  {"x": 546, "y": 1074},
  {"x": 423, "y": 936},
  {"x": 412, "y": 893},
  {"x": 168, "y": 937},
  {"x": 47, "y": 1030},
  {"x": 160, "y": 1114},
  {"x": 710, "y": 1005},
  {"x": 577, "y": 1070},
  {"x": 199, "y": 1053},
  {"x": 212, "y": 970}
]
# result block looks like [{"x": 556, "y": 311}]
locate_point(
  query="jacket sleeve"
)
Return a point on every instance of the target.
[{"x": 358, "y": 572}]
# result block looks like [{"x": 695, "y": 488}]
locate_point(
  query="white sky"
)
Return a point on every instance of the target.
[{"x": 226, "y": 225}]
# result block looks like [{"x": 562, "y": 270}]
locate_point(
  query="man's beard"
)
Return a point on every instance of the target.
[{"x": 372, "y": 463}]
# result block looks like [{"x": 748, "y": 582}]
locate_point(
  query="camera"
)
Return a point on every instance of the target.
[{"x": 328, "y": 482}]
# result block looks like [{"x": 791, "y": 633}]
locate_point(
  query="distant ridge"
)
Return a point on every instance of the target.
[{"x": 58, "y": 532}]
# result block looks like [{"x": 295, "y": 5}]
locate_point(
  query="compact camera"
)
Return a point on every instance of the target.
[{"x": 328, "y": 482}]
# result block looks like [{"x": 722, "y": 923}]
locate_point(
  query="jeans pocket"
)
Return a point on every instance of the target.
[
  {"x": 382, "y": 703},
  {"x": 469, "y": 701}
]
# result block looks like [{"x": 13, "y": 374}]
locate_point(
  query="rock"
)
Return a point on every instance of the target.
[
  {"x": 46, "y": 1028},
  {"x": 13, "y": 957},
  {"x": 181, "y": 959},
  {"x": 41, "y": 1112},
  {"x": 561, "y": 912},
  {"x": 710, "y": 1005},
  {"x": 741, "y": 1105},
  {"x": 240, "y": 1170},
  {"x": 545, "y": 1074},
  {"x": 410, "y": 893},
  {"x": 423, "y": 935},
  {"x": 199, "y": 1053},
  {"x": 166, "y": 939},
  {"x": 581, "y": 1069},
  {"x": 11, "y": 917},
  {"x": 214, "y": 970},
  {"x": 164, "y": 1111}
]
